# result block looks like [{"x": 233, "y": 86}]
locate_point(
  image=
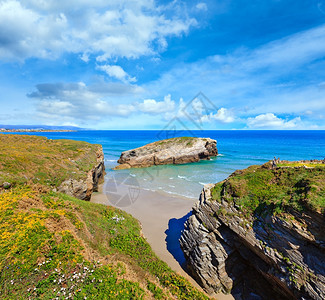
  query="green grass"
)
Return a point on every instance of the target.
[
  {"x": 125, "y": 237},
  {"x": 302, "y": 164},
  {"x": 155, "y": 290},
  {"x": 260, "y": 188},
  {"x": 188, "y": 141},
  {"x": 44, "y": 237},
  {"x": 32, "y": 159}
]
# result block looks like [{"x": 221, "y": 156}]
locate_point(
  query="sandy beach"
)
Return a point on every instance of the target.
[{"x": 161, "y": 216}]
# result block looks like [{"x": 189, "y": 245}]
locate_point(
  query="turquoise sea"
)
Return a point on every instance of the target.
[{"x": 237, "y": 150}]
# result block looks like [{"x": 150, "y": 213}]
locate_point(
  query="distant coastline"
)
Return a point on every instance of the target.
[{"x": 36, "y": 130}]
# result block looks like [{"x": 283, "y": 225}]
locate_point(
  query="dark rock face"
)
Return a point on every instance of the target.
[
  {"x": 171, "y": 151},
  {"x": 83, "y": 189},
  {"x": 265, "y": 258}
]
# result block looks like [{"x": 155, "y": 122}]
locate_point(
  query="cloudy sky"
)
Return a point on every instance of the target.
[{"x": 139, "y": 64}]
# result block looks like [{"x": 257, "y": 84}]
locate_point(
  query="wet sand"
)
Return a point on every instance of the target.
[{"x": 161, "y": 216}]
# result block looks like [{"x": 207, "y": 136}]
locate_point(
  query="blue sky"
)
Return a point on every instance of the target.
[{"x": 103, "y": 64}]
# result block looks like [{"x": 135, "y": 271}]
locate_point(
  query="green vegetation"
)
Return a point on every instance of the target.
[
  {"x": 260, "y": 189},
  {"x": 156, "y": 291},
  {"x": 188, "y": 141},
  {"x": 33, "y": 159},
  {"x": 309, "y": 164},
  {"x": 53, "y": 245}
]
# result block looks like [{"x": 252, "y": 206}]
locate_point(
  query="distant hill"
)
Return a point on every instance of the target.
[{"x": 41, "y": 127}]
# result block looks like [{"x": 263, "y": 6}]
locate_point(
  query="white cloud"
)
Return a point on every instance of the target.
[
  {"x": 84, "y": 57},
  {"x": 293, "y": 50},
  {"x": 199, "y": 111},
  {"x": 25, "y": 33},
  {"x": 197, "y": 105},
  {"x": 116, "y": 72},
  {"x": 107, "y": 29},
  {"x": 223, "y": 115},
  {"x": 308, "y": 112},
  {"x": 202, "y": 6},
  {"x": 271, "y": 121},
  {"x": 157, "y": 107},
  {"x": 50, "y": 106},
  {"x": 77, "y": 101}
]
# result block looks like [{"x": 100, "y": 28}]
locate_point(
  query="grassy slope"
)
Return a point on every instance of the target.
[
  {"x": 53, "y": 245},
  {"x": 187, "y": 141},
  {"x": 260, "y": 188},
  {"x": 41, "y": 160}
]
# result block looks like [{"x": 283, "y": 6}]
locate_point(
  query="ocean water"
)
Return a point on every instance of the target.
[{"x": 237, "y": 150}]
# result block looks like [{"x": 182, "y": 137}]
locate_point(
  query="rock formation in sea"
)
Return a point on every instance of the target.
[
  {"x": 84, "y": 187},
  {"x": 179, "y": 150},
  {"x": 260, "y": 234}
]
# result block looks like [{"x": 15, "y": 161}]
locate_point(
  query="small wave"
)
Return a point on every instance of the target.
[
  {"x": 179, "y": 194},
  {"x": 167, "y": 192},
  {"x": 171, "y": 185},
  {"x": 220, "y": 155},
  {"x": 133, "y": 175},
  {"x": 111, "y": 160},
  {"x": 183, "y": 177},
  {"x": 171, "y": 177},
  {"x": 202, "y": 183}
]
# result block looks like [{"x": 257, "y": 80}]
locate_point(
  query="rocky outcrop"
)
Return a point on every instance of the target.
[
  {"x": 171, "y": 151},
  {"x": 83, "y": 188},
  {"x": 266, "y": 251}
]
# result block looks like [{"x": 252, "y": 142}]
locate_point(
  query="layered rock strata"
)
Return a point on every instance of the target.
[{"x": 267, "y": 251}]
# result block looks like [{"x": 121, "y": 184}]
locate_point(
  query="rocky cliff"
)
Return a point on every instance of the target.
[
  {"x": 260, "y": 234},
  {"x": 84, "y": 187},
  {"x": 171, "y": 151}
]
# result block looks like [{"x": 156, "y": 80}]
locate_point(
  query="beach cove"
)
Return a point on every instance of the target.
[{"x": 166, "y": 194}]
